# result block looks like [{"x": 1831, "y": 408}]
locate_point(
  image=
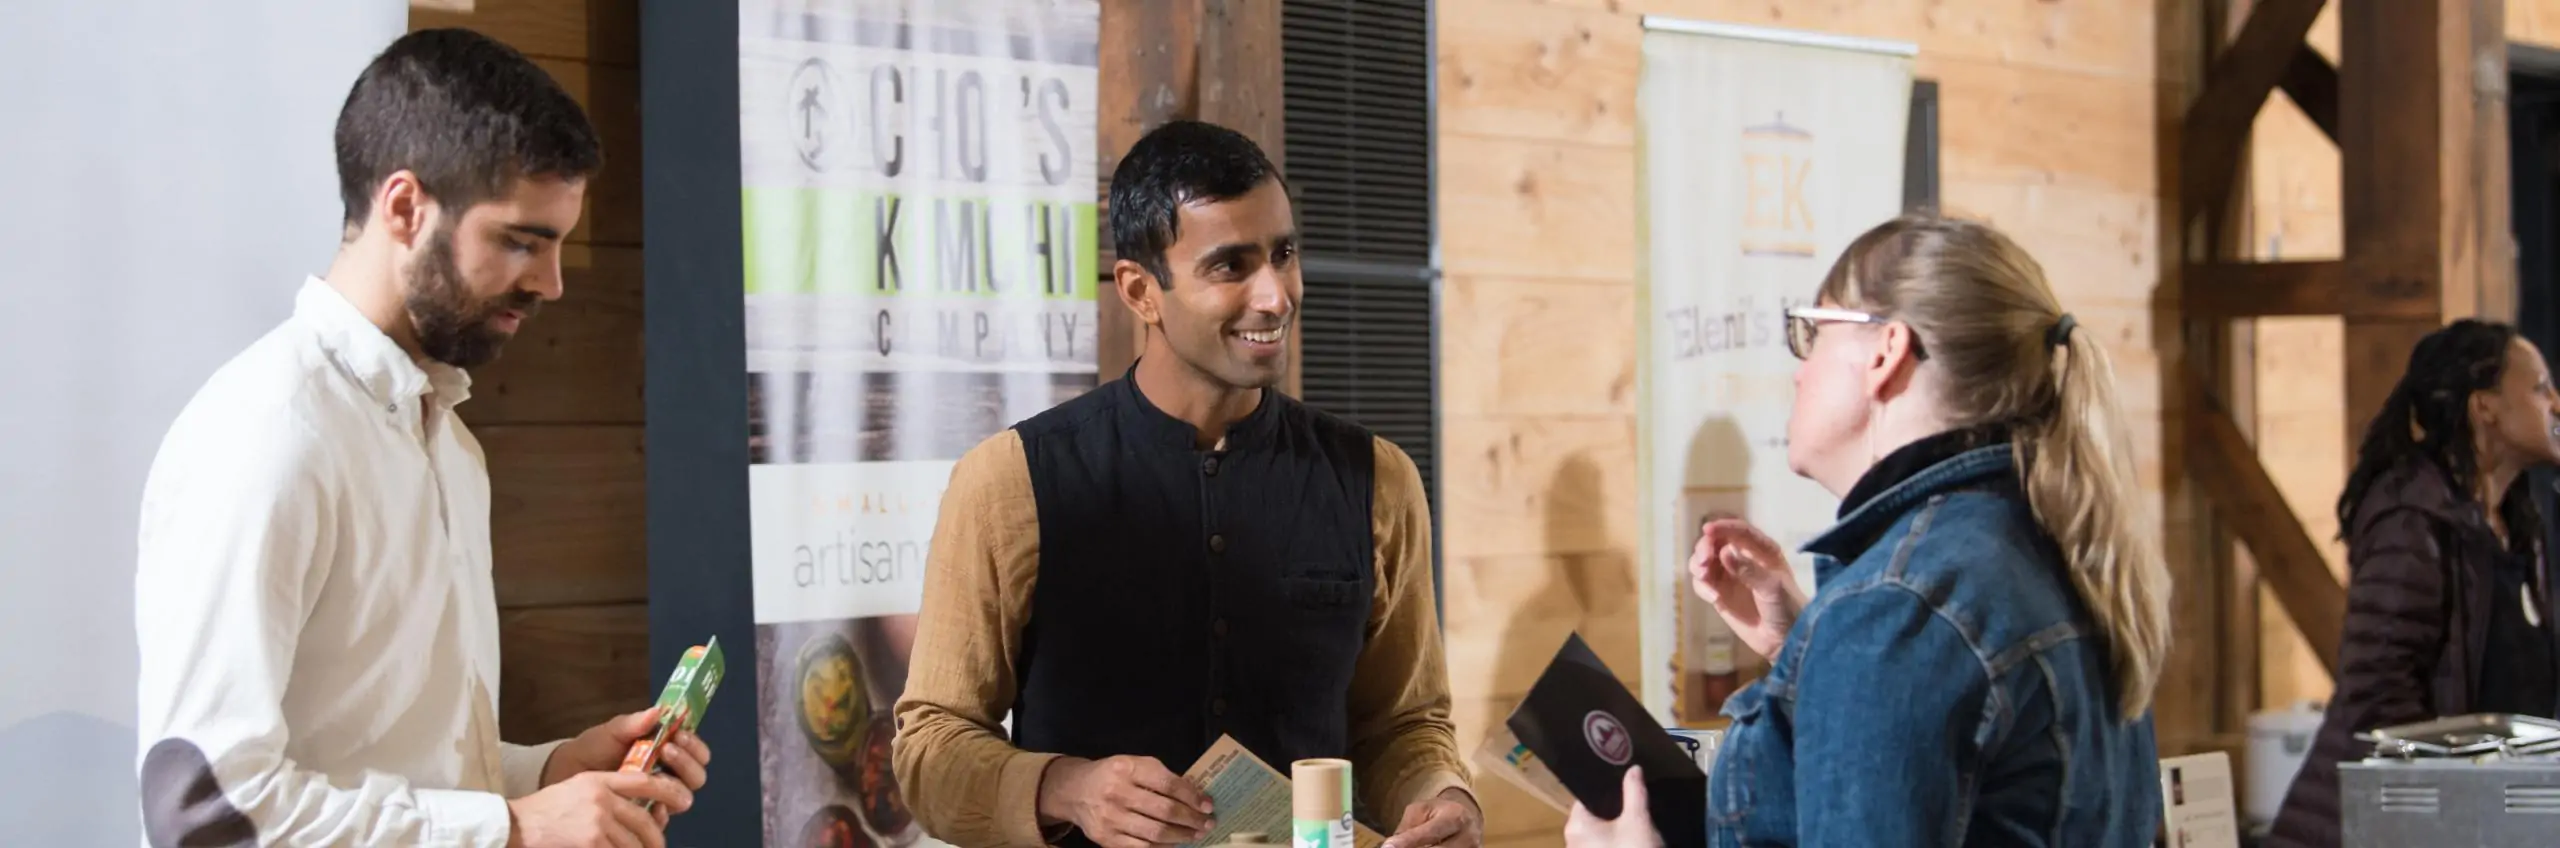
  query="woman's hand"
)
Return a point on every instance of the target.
[
  {"x": 1633, "y": 828},
  {"x": 1741, "y": 571}
]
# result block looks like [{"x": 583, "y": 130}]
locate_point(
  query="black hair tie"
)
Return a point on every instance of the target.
[{"x": 2060, "y": 335}]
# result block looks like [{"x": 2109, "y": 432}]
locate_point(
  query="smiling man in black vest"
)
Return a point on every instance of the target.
[{"x": 1179, "y": 554}]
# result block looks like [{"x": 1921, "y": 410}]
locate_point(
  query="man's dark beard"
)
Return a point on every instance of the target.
[{"x": 452, "y": 329}]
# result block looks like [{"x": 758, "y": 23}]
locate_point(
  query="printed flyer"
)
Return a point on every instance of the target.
[{"x": 918, "y": 181}]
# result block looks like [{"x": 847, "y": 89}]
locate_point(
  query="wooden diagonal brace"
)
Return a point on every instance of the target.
[
  {"x": 2312, "y": 83},
  {"x": 2248, "y": 501},
  {"x": 2217, "y": 126}
]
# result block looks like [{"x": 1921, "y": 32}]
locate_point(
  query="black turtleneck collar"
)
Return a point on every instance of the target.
[
  {"x": 1142, "y": 418},
  {"x": 1916, "y": 457}
]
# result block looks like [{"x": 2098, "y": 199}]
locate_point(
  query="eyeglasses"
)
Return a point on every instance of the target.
[{"x": 1803, "y": 320}]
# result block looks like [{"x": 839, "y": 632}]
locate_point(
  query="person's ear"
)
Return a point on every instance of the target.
[
  {"x": 401, "y": 207},
  {"x": 1139, "y": 291},
  {"x": 1893, "y": 358}
]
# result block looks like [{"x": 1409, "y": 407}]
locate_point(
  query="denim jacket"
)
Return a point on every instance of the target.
[{"x": 1944, "y": 687}]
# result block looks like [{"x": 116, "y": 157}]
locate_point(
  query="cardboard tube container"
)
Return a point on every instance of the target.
[{"x": 1320, "y": 803}]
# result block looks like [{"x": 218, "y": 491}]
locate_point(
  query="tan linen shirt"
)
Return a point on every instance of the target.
[{"x": 971, "y": 787}]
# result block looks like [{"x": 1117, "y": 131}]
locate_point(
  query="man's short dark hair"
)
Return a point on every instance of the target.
[
  {"x": 1176, "y": 164},
  {"x": 466, "y": 114}
]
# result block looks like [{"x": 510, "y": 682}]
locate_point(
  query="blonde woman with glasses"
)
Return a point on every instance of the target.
[{"x": 1978, "y": 666}]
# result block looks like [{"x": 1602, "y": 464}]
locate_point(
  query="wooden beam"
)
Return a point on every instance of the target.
[
  {"x": 1239, "y": 71},
  {"x": 2217, "y": 126},
  {"x": 1150, "y": 62},
  {"x": 2377, "y": 353},
  {"x": 2312, "y": 83},
  {"x": 2218, "y": 290},
  {"x": 2248, "y": 502},
  {"x": 2238, "y": 610},
  {"x": 2489, "y": 225},
  {"x": 2191, "y": 540},
  {"x": 2425, "y": 202},
  {"x": 1239, "y": 87}
]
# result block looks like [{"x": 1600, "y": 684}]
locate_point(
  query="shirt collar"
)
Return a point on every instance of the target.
[
  {"x": 1911, "y": 459},
  {"x": 389, "y": 375},
  {"x": 1947, "y": 467},
  {"x": 1140, "y": 416}
]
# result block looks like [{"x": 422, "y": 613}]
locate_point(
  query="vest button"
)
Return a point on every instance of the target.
[
  {"x": 1217, "y": 543},
  {"x": 1218, "y": 707},
  {"x": 1209, "y": 466}
]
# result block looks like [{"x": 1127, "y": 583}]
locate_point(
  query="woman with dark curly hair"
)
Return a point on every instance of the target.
[{"x": 2448, "y": 602}]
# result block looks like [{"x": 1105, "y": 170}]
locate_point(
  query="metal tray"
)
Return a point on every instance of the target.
[{"x": 2466, "y": 736}]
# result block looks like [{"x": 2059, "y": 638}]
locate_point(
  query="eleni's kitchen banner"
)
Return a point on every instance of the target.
[{"x": 1764, "y": 152}]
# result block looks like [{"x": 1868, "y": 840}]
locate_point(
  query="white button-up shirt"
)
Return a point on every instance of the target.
[{"x": 318, "y": 630}]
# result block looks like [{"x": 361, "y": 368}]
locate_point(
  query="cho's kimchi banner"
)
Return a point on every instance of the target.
[
  {"x": 919, "y": 232},
  {"x": 1763, "y": 154}
]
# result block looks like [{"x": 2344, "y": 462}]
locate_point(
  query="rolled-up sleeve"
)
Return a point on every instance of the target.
[
  {"x": 967, "y": 784},
  {"x": 1403, "y": 743},
  {"x": 232, "y": 546},
  {"x": 524, "y": 765}
]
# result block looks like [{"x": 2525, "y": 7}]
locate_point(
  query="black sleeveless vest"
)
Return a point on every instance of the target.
[{"x": 1184, "y": 593}]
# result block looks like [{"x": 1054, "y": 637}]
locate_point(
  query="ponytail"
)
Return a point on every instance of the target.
[{"x": 2077, "y": 469}]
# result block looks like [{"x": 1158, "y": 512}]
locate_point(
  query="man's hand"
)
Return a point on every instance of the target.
[
  {"x": 1450, "y": 820},
  {"x": 1633, "y": 828},
  {"x": 1123, "y": 802},
  {"x": 603, "y": 746},
  {"x": 596, "y": 810}
]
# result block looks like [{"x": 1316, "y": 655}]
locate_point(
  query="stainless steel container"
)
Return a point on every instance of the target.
[
  {"x": 2450, "y": 803},
  {"x": 2489, "y": 779}
]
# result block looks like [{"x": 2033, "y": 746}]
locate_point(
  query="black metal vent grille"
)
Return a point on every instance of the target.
[
  {"x": 1356, "y": 78},
  {"x": 1357, "y": 83}
]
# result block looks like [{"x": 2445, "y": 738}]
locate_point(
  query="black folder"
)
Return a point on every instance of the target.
[{"x": 1588, "y": 729}]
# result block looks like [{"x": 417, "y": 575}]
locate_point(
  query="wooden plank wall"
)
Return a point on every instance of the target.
[
  {"x": 2053, "y": 117},
  {"x": 2301, "y": 432},
  {"x": 560, "y": 413}
]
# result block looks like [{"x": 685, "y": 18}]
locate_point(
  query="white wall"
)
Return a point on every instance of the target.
[{"x": 166, "y": 181}]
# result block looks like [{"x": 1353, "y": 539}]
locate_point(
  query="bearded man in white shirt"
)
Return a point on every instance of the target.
[{"x": 319, "y": 640}]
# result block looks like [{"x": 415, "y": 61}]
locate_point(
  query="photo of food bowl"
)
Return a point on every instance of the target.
[
  {"x": 876, "y": 784},
  {"x": 834, "y": 708},
  {"x": 834, "y": 827}
]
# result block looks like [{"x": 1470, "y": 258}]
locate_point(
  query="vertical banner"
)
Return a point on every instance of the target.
[
  {"x": 1763, "y": 153},
  {"x": 918, "y": 214}
]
